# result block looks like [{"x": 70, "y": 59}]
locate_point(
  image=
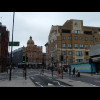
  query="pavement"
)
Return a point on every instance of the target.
[
  {"x": 73, "y": 82},
  {"x": 21, "y": 82},
  {"x": 17, "y": 82}
]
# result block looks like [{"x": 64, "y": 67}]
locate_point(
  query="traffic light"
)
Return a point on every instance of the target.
[
  {"x": 62, "y": 58},
  {"x": 24, "y": 59},
  {"x": 52, "y": 59}
]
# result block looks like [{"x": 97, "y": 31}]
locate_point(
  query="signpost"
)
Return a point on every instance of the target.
[{"x": 13, "y": 43}]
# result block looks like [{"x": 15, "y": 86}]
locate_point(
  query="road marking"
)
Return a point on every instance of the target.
[
  {"x": 87, "y": 83},
  {"x": 59, "y": 84},
  {"x": 57, "y": 81},
  {"x": 50, "y": 84},
  {"x": 38, "y": 84}
]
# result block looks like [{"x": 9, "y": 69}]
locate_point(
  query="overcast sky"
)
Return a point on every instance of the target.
[{"x": 38, "y": 24}]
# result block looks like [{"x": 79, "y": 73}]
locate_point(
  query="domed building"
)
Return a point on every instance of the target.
[{"x": 34, "y": 54}]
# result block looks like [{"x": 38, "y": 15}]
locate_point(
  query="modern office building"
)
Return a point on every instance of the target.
[
  {"x": 73, "y": 40},
  {"x": 4, "y": 39},
  {"x": 34, "y": 54}
]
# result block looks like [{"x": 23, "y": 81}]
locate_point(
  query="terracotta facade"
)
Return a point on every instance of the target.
[{"x": 34, "y": 53}]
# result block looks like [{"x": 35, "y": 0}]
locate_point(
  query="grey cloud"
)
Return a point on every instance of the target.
[{"x": 38, "y": 24}]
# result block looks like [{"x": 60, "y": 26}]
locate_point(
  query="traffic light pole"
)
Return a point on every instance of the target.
[
  {"x": 61, "y": 56},
  {"x": 25, "y": 72},
  {"x": 12, "y": 46},
  {"x": 52, "y": 69}
]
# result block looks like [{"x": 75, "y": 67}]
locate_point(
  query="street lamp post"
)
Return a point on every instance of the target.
[{"x": 12, "y": 46}]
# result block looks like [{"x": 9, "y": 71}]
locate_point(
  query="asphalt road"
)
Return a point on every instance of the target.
[{"x": 45, "y": 81}]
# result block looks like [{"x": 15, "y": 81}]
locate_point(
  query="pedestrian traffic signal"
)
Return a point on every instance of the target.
[
  {"x": 62, "y": 58},
  {"x": 24, "y": 59}
]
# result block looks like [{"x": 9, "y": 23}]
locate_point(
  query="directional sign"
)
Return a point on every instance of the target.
[{"x": 13, "y": 43}]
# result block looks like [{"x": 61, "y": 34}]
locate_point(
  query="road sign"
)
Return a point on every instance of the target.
[{"x": 13, "y": 43}]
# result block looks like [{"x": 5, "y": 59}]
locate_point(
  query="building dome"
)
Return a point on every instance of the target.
[{"x": 30, "y": 41}]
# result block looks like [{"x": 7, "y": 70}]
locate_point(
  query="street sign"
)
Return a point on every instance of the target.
[{"x": 13, "y": 43}]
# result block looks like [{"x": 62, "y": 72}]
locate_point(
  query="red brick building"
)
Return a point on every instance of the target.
[{"x": 4, "y": 38}]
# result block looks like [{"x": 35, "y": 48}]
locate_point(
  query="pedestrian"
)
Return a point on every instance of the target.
[
  {"x": 59, "y": 71},
  {"x": 73, "y": 72},
  {"x": 77, "y": 73}
]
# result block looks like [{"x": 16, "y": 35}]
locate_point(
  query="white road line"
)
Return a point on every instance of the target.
[
  {"x": 87, "y": 83},
  {"x": 50, "y": 84},
  {"x": 59, "y": 84},
  {"x": 38, "y": 84},
  {"x": 57, "y": 81}
]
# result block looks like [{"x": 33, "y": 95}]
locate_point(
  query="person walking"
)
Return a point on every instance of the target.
[
  {"x": 73, "y": 72},
  {"x": 77, "y": 73}
]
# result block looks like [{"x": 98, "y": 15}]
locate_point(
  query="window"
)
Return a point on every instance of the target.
[
  {"x": 64, "y": 53},
  {"x": 63, "y": 37},
  {"x": 91, "y": 39},
  {"x": 69, "y": 46},
  {"x": 75, "y": 45},
  {"x": 56, "y": 46},
  {"x": 70, "y": 61},
  {"x": 75, "y": 38},
  {"x": 79, "y": 60},
  {"x": 81, "y": 38},
  {"x": 81, "y": 46},
  {"x": 77, "y": 31},
  {"x": 91, "y": 46},
  {"x": 86, "y": 46},
  {"x": 65, "y": 31},
  {"x": 51, "y": 41},
  {"x": 51, "y": 47},
  {"x": 86, "y": 53},
  {"x": 70, "y": 53},
  {"x": 63, "y": 45},
  {"x": 55, "y": 38},
  {"x": 78, "y": 53},
  {"x": 64, "y": 61},
  {"x": 96, "y": 39},
  {"x": 88, "y": 32},
  {"x": 86, "y": 39},
  {"x": 69, "y": 37}
]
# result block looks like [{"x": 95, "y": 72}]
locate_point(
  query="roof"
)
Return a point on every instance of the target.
[{"x": 30, "y": 41}]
